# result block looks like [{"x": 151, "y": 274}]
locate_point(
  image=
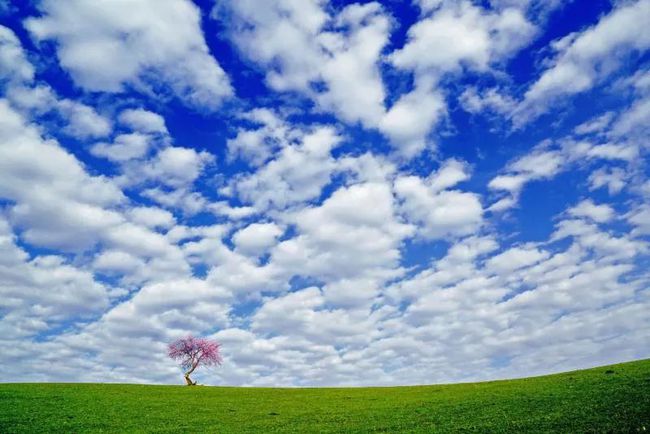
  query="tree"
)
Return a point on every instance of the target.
[{"x": 193, "y": 352}]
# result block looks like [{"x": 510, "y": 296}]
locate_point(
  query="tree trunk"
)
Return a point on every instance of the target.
[{"x": 189, "y": 381}]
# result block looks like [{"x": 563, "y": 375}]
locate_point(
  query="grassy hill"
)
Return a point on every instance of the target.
[{"x": 609, "y": 399}]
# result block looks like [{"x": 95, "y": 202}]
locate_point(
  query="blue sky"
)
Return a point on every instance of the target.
[{"x": 341, "y": 193}]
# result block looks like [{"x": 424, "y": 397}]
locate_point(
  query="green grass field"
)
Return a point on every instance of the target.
[{"x": 608, "y": 399}]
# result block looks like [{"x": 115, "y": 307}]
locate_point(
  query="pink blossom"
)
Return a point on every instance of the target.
[{"x": 193, "y": 352}]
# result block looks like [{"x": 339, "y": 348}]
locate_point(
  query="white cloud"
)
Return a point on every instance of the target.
[
  {"x": 356, "y": 293},
  {"x": 173, "y": 166},
  {"x": 598, "y": 213},
  {"x": 108, "y": 49},
  {"x": 256, "y": 238},
  {"x": 137, "y": 239},
  {"x": 596, "y": 125},
  {"x": 13, "y": 62},
  {"x": 478, "y": 102},
  {"x": 446, "y": 213},
  {"x": 190, "y": 202},
  {"x": 297, "y": 174},
  {"x": 524, "y": 297},
  {"x": 257, "y": 145},
  {"x": 537, "y": 9},
  {"x": 222, "y": 208},
  {"x": 634, "y": 121},
  {"x": 290, "y": 312},
  {"x": 124, "y": 147},
  {"x": 614, "y": 179},
  {"x": 502, "y": 204},
  {"x": 157, "y": 313},
  {"x": 283, "y": 32},
  {"x": 515, "y": 258},
  {"x": 528, "y": 303},
  {"x": 117, "y": 261},
  {"x": 367, "y": 167},
  {"x": 640, "y": 219},
  {"x": 450, "y": 173},
  {"x": 80, "y": 120},
  {"x": 548, "y": 159},
  {"x": 354, "y": 233},
  {"x": 584, "y": 59},
  {"x": 300, "y": 314},
  {"x": 40, "y": 292},
  {"x": 143, "y": 121},
  {"x": 355, "y": 54},
  {"x": 58, "y": 204},
  {"x": 335, "y": 59},
  {"x": 510, "y": 183},
  {"x": 464, "y": 35},
  {"x": 626, "y": 151},
  {"x": 588, "y": 236},
  {"x": 437, "y": 211},
  {"x": 152, "y": 217},
  {"x": 84, "y": 121},
  {"x": 40, "y": 98},
  {"x": 539, "y": 164},
  {"x": 408, "y": 122},
  {"x": 302, "y": 46}
]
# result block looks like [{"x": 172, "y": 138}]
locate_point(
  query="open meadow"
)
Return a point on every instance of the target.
[{"x": 607, "y": 399}]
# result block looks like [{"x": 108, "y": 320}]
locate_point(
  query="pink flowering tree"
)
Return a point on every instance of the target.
[{"x": 193, "y": 352}]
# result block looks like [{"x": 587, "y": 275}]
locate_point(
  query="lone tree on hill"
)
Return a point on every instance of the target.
[{"x": 193, "y": 352}]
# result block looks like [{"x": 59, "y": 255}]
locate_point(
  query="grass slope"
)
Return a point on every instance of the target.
[{"x": 609, "y": 399}]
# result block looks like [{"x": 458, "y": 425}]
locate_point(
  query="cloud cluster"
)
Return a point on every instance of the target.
[
  {"x": 154, "y": 42},
  {"x": 337, "y": 60},
  {"x": 302, "y": 225},
  {"x": 586, "y": 58}
]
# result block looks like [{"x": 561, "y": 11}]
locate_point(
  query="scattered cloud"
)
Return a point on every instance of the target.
[
  {"x": 583, "y": 59},
  {"x": 108, "y": 49},
  {"x": 352, "y": 215}
]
